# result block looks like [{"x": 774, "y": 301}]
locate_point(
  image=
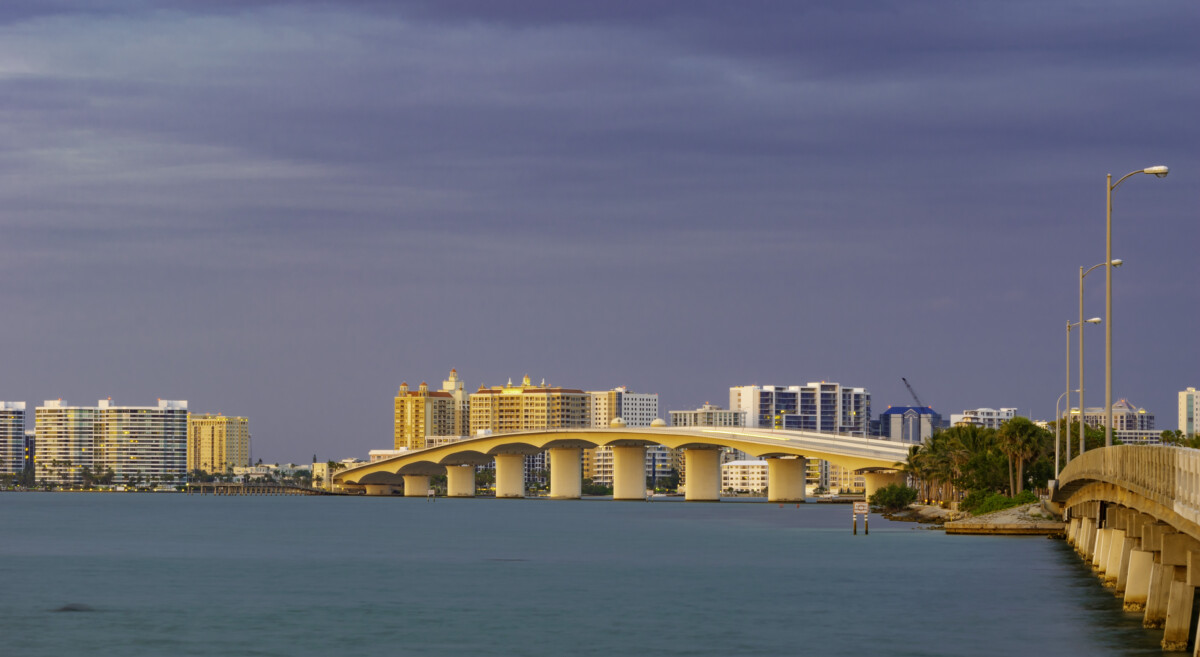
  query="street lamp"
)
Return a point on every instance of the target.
[
  {"x": 1159, "y": 172},
  {"x": 1058, "y": 420},
  {"x": 1080, "y": 323}
]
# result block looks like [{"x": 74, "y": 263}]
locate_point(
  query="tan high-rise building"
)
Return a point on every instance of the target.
[
  {"x": 421, "y": 413},
  {"x": 511, "y": 407},
  {"x": 217, "y": 443}
]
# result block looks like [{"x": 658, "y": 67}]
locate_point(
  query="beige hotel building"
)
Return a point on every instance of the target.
[{"x": 216, "y": 443}]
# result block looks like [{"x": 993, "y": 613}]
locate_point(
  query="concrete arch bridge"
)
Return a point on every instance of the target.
[
  {"x": 1134, "y": 515},
  {"x": 786, "y": 452}
]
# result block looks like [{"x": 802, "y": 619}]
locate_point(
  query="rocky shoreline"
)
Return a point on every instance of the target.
[{"x": 1027, "y": 519}]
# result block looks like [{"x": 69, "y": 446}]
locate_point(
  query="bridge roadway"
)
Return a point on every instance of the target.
[
  {"x": 1134, "y": 515},
  {"x": 786, "y": 452}
]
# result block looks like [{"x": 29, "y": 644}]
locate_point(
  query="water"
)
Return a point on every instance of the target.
[{"x": 297, "y": 576}]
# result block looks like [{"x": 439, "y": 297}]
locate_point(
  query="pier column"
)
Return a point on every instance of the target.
[
  {"x": 702, "y": 469},
  {"x": 1112, "y": 560},
  {"x": 416, "y": 485},
  {"x": 510, "y": 475},
  {"x": 1131, "y": 543},
  {"x": 1158, "y": 594},
  {"x": 378, "y": 489},
  {"x": 629, "y": 472},
  {"x": 1137, "y": 583},
  {"x": 460, "y": 481},
  {"x": 785, "y": 479},
  {"x": 876, "y": 480},
  {"x": 566, "y": 473},
  {"x": 1100, "y": 550},
  {"x": 1073, "y": 532},
  {"x": 1179, "y": 613}
]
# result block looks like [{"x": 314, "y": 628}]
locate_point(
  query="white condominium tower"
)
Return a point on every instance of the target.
[
  {"x": 820, "y": 406},
  {"x": 12, "y": 437},
  {"x": 1189, "y": 411},
  {"x": 138, "y": 443}
]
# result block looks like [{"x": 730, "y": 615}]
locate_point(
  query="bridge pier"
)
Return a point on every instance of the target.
[
  {"x": 702, "y": 467},
  {"x": 566, "y": 473},
  {"x": 378, "y": 489},
  {"x": 416, "y": 485},
  {"x": 510, "y": 475},
  {"x": 876, "y": 480},
  {"x": 460, "y": 481},
  {"x": 785, "y": 479},
  {"x": 629, "y": 472},
  {"x": 1138, "y": 584}
]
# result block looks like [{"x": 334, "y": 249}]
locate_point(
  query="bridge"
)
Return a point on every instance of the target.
[
  {"x": 786, "y": 453},
  {"x": 1134, "y": 514}
]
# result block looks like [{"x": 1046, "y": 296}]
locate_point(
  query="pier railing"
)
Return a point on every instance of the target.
[{"x": 1165, "y": 474}]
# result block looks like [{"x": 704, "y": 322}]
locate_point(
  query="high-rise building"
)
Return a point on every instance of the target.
[
  {"x": 1189, "y": 412},
  {"x": 137, "y": 443},
  {"x": 820, "y": 406},
  {"x": 507, "y": 408},
  {"x": 12, "y": 437},
  {"x": 987, "y": 418},
  {"x": 421, "y": 413},
  {"x": 217, "y": 443},
  {"x": 908, "y": 424},
  {"x": 708, "y": 415}
]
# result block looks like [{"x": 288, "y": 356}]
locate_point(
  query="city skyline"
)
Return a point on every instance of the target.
[{"x": 274, "y": 207}]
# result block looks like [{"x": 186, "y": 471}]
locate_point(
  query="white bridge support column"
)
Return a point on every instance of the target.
[
  {"x": 702, "y": 469},
  {"x": 510, "y": 476},
  {"x": 566, "y": 473},
  {"x": 1100, "y": 551},
  {"x": 460, "y": 481},
  {"x": 1073, "y": 532},
  {"x": 1137, "y": 585},
  {"x": 416, "y": 485},
  {"x": 785, "y": 479},
  {"x": 1112, "y": 560},
  {"x": 629, "y": 472},
  {"x": 876, "y": 480},
  {"x": 1177, "y": 551}
]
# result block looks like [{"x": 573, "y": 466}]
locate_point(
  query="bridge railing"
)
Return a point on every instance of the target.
[{"x": 1168, "y": 475}]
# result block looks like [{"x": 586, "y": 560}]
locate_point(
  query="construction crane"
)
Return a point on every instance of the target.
[{"x": 912, "y": 392}]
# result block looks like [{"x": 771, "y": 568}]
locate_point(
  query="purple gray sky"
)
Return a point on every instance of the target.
[{"x": 284, "y": 209}]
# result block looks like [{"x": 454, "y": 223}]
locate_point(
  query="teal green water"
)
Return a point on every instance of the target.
[{"x": 296, "y": 576}]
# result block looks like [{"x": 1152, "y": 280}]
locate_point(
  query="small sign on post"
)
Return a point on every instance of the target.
[{"x": 863, "y": 508}]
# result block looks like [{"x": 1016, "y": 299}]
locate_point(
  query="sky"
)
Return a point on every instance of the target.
[{"x": 283, "y": 210}]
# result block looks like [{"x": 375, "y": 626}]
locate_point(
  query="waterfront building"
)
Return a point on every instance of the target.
[
  {"x": 30, "y": 448},
  {"x": 12, "y": 437},
  {"x": 908, "y": 424},
  {"x": 502, "y": 409},
  {"x": 987, "y": 418},
  {"x": 216, "y": 442},
  {"x": 1189, "y": 412},
  {"x": 1131, "y": 424},
  {"x": 420, "y": 413},
  {"x": 744, "y": 476},
  {"x": 321, "y": 471},
  {"x": 817, "y": 406},
  {"x": 137, "y": 443},
  {"x": 708, "y": 415},
  {"x": 65, "y": 437},
  {"x": 142, "y": 443}
]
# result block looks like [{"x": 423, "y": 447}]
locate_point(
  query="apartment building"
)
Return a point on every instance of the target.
[
  {"x": 217, "y": 443},
  {"x": 12, "y": 437}
]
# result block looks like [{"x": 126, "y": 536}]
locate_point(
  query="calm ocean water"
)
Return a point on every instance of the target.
[{"x": 297, "y": 576}]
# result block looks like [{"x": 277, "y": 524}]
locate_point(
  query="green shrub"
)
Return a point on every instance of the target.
[
  {"x": 894, "y": 497},
  {"x": 1025, "y": 497},
  {"x": 974, "y": 499}
]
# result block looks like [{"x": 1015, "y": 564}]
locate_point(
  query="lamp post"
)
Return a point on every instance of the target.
[
  {"x": 1160, "y": 172},
  {"x": 1094, "y": 320},
  {"x": 1059, "y": 421}
]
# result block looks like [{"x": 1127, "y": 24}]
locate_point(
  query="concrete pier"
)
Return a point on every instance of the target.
[
  {"x": 416, "y": 485},
  {"x": 629, "y": 472},
  {"x": 1137, "y": 585},
  {"x": 702, "y": 469},
  {"x": 785, "y": 479},
  {"x": 566, "y": 473},
  {"x": 510, "y": 475},
  {"x": 460, "y": 481}
]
